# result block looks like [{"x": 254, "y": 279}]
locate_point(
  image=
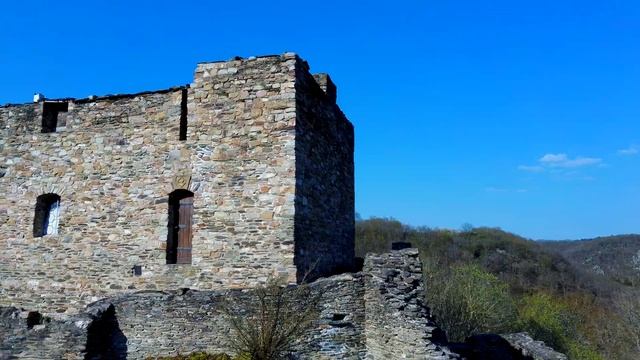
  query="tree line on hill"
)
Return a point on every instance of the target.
[{"x": 485, "y": 280}]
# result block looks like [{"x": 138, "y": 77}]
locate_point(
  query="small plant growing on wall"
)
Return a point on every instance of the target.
[{"x": 267, "y": 323}]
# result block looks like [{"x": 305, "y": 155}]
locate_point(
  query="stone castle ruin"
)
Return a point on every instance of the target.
[
  {"x": 127, "y": 220},
  {"x": 244, "y": 174}
]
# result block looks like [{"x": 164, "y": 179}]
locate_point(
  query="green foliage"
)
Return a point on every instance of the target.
[
  {"x": 522, "y": 263},
  {"x": 551, "y": 320},
  {"x": 577, "y": 351},
  {"x": 468, "y": 300},
  {"x": 559, "y": 302},
  {"x": 548, "y": 320}
]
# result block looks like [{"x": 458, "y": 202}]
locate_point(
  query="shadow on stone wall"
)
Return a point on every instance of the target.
[
  {"x": 105, "y": 340},
  {"x": 488, "y": 347}
]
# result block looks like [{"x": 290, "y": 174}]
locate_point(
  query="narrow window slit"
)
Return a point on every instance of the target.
[{"x": 183, "y": 115}]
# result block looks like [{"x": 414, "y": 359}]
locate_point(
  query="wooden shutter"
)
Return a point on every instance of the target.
[{"x": 185, "y": 216}]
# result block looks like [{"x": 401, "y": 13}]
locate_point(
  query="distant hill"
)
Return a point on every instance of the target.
[
  {"x": 524, "y": 264},
  {"x": 614, "y": 257}
]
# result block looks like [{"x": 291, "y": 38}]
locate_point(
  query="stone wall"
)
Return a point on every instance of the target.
[
  {"x": 166, "y": 323},
  {"x": 324, "y": 225},
  {"x": 398, "y": 324},
  {"x": 374, "y": 314},
  {"x": 114, "y": 161},
  {"x": 354, "y": 315},
  {"x": 106, "y": 164},
  {"x": 28, "y": 335}
]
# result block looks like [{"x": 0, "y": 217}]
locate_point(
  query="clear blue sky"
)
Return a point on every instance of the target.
[{"x": 518, "y": 114}]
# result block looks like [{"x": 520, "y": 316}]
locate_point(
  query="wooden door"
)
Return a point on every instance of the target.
[{"x": 185, "y": 219}]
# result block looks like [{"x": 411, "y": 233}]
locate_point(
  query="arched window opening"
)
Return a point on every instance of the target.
[
  {"x": 47, "y": 216},
  {"x": 179, "y": 227}
]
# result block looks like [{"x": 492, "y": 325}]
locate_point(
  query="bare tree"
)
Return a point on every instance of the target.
[
  {"x": 630, "y": 308},
  {"x": 267, "y": 323}
]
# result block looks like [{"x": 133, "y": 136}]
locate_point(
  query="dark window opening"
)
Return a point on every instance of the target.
[
  {"x": 179, "y": 227},
  {"x": 50, "y": 112},
  {"x": 136, "y": 270},
  {"x": 34, "y": 318},
  {"x": 338, "y": 317},
  {"x": 47, "y": 216},
  {"x": 183, "y": 115}
]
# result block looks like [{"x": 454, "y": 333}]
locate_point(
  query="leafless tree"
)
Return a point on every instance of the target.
[{"x": 267, "y": 323}]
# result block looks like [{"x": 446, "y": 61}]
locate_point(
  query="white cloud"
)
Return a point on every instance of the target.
[
  {"x": 553, "y": 158},
  {"x": 563, "y": 161},
  {"x": 560, "y": 163},
  {"x": 630, "y": 151}
]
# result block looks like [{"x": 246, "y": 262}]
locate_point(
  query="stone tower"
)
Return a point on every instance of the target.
[{"x": 244, "y": 174}]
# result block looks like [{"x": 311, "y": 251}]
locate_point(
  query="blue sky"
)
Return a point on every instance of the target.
[{"x": 518, "y": 114}]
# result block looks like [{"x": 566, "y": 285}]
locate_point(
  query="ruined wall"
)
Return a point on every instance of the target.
[
  {"x": 167, "y": 323},
  {"x": 25, "y": 335},
  {"x": 107, "y": 165},
  {"x": 354, "y": 314},
  {"x": 374, "y": 314},
  {"x": 268, "y": 156},
  {"x": 114, "y": 163},
  {"x": 324, "y": 225},
  {"x": 398, "y": 324}
]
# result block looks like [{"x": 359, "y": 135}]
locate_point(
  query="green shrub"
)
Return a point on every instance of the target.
[
  {"x": 468, "y": 300},
  {"x": 548, "y": 318}
]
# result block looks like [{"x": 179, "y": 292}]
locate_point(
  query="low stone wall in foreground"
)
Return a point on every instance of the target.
[{"x": 377, "y": 313}]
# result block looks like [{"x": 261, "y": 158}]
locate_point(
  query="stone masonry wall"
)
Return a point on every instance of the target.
[
  {"x": 26, "y": 335},
  {"x": 160, "y": 323},
  {"x": 106, "y": 165},
  {"x": 171, "y": 322},
  {"x": 324, "y": 225},
  {"x": 374, "y": 314},
  {"x": 163, "y": 323},
  {"x": 114, "y": 160},
  {"x": 398, "y": 324}
]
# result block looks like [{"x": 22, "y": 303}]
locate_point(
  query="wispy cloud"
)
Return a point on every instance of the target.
[
  {"x": 630, "y": 151},
  {"x": 561, "y": 163},
  {"x": 564, "y": 161}
]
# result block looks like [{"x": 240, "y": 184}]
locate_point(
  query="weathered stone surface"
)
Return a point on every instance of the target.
[
  {"x": 268, "y": 156},
  {"x": 373, "y": 314},
  {"x": 397, "y": 321},
  {"x": 532, "y": 349},
  {"x": 27, "y": 335}
]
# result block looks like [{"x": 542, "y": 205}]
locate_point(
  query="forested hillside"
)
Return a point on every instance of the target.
[
  {"x": 613, "y": 257},
  {"x": 483, "y": 280}
]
